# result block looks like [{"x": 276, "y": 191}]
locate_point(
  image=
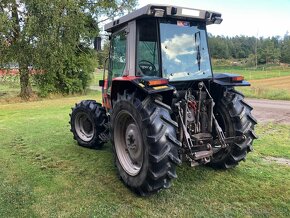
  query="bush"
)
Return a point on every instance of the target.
[{"x": 70, "y": 78}]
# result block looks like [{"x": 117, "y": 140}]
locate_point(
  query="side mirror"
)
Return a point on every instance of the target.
[
  {"x": 98, "y": 43},
  {"x": 101, "y": 83}
]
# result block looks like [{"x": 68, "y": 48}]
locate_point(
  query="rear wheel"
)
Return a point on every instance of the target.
[
  {"x": 234, "y": 116},
  {"x": 88, "y": 119},
  {"x": 145, "y": 144}
]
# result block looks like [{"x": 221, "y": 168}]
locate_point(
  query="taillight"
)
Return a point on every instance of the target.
[
  {"x": 237, "y": 78},
  {"x": 157, "y": 82}
]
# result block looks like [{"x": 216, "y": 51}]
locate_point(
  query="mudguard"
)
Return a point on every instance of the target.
[
  {"x": 228, "y": 79},
  {"x": 145, "y": 85}
]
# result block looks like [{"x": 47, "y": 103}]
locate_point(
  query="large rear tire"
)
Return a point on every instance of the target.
[
  {"x": 144, "y": 142},
  {"x": 234, "y": 116},
  {"x": 88, "y": 119}
]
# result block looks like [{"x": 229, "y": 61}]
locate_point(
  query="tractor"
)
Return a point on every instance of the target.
[{"x": 161, "y": 102}]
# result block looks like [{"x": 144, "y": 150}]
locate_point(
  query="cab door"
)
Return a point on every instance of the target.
[{"x": 117, "y": 64}]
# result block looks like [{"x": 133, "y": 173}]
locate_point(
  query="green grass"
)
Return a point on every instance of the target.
[
  {"x": 252, "y": 73},
  {"x": 9, "y": 86},
  {"x": 265, "y": 93},
  {"x": 45, "y": 174},
  {"x": 8, "y": 90},
  {"x": 274, "y": 140}
]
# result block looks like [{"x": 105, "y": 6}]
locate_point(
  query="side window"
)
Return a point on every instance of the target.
[
  {"x": 147, "y": 48},
  {"x": 118, "y": 54}
]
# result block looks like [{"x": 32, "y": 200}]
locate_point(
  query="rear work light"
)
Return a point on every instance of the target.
[
  {"x": 157, "y": 82},
  {"x": 237, "y": 78}
]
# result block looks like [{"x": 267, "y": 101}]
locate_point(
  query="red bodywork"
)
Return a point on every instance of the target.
[{"x": 107, "y": 91}]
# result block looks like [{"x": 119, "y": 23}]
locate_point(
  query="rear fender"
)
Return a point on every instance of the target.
[
  {"x": 228, "y": 79},
  {"x": 140, "y": 86}
]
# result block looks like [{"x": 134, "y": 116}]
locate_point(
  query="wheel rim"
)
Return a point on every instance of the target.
[
  {"x": 128, "y": 143},
  {"x": 84, "y": 127}
]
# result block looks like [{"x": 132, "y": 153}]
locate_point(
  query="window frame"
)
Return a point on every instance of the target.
[
  {"x": 159, "y": 59},
  {"x": 110, "y": 68}
]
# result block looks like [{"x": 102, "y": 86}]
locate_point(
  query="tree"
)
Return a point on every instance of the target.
[
  {"x": 54, "y": 37},
  {"x": 14, "y": 40},
  {"x": 268, "y": 51},
  {"x": 218, "y": 46},
  {"x": 285, "y": 49}
]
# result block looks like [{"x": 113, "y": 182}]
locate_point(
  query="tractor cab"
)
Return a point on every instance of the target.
[{"x": 160, "y": 41}]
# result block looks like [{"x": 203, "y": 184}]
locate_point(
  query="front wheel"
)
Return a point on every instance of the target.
[
  {"x": 234, "y": 116},
  {"x": 144, "y": 142}
]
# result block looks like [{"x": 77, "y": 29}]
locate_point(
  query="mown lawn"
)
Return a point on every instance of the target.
[{"x": 43, "y": 173}]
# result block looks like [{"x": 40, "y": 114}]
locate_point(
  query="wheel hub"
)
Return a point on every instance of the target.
[
  {"x": 84, "y": 127},
  {"x": 128, "y": 143},
  {"x": 87, "y": 125},
  {"x": 133, "y": 142}
]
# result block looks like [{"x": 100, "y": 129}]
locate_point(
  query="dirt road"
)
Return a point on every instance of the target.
[{"x": 271, "y": 110}]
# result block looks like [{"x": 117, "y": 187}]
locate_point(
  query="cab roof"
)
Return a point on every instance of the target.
[{"x": 166, "y": 11}]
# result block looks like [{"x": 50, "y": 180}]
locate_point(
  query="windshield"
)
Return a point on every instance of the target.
[{"x": 184, "y": 51}]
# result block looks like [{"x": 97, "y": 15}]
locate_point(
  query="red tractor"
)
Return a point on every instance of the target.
[{"x": 162, "y": 105}]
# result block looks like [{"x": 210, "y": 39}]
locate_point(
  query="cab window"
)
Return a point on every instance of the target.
[
  {"x": 118, "y": 54},
  {"x": 147, "y": 48}
]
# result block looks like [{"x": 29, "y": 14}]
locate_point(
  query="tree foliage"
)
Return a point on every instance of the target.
[
  {"x": 285, "y": 49},
  {"x": 54, "y": 37},
  {"x": 268, "y": 50}
]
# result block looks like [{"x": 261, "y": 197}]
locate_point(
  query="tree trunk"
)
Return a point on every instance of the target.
[{"x": 26, "y": 91}]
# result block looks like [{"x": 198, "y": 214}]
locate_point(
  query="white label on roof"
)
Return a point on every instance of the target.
[{"x": 190, "y": 12}]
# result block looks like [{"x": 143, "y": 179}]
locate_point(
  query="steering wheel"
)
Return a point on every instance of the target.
[{"x": 147, "y": 68}]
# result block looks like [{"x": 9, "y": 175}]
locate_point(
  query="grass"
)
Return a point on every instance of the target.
[
  {"x": 265, "y": 93},
  {"x": 45, "y": 174},
  {"x": 254, "y": 74},
  {"x": 9, "y": 86},
  {"x": 96, "y": 76},
  {"x": 8, "y": 90},
  {"x": 274, "y": 140},
  {"x": 274, "y": 88},
  {"x": 266, "y": 82}
]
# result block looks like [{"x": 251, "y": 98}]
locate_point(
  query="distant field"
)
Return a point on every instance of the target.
[
  {"x": 253, "y": 74},
  {"x": 276, "y": 83},
  {"x": 266, "y": 82},
  {"x": 273, "y": 88}
]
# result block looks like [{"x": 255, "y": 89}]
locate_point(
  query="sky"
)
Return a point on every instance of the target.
[{"x": 262, "y": 18}]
